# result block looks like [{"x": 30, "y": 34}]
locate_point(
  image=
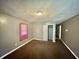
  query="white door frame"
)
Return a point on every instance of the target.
[
  {"x": 54, "y": 33},
  {"x": 60, "y": 32},
  {"x": 45, "y": 32}
]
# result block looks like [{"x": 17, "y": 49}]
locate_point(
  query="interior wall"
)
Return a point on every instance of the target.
[
  {"x": 9, "y": 33},
  {"x": 38, "y": 31},
  {"x": 70, "y": 33}
]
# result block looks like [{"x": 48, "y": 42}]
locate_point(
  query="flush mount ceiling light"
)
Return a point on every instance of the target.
[{"x": 39, "y": 13}]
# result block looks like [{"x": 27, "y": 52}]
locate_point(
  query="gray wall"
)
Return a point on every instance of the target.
[
  {"x": 38, "y": 31},
  {"x": 9, "y": 33},
  {"x": 70, "y": 33}
]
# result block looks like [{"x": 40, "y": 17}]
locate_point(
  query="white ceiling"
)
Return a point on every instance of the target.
[{"x": 56, "y": 10}]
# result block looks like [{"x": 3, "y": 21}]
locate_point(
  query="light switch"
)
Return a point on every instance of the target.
[{"x": 66, "y": 30}]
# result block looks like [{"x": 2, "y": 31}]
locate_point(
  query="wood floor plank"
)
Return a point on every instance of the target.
[{"x": 42, "y": 50}]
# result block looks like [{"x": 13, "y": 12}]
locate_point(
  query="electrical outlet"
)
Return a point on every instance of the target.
[
  {"x": 66, "y": 41},
  {"x": 16, "y": 44}
]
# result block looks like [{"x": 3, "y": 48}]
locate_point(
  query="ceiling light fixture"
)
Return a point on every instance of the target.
[{"x": 39, "y": 13}]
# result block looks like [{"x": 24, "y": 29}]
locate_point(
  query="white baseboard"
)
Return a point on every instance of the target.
[
  {"x": 16, "y": 49},
  {"x": 70, "y": 49},
  {"x": 37, "y": 39}
]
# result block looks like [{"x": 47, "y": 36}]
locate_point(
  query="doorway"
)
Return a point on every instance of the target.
[{"x": 50, "y": 32}]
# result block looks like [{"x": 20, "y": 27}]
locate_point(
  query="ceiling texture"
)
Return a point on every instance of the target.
[{"x": 54, "y": 11}]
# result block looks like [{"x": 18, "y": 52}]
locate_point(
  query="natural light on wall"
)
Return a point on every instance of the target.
[{"x": 3, "y": 20}]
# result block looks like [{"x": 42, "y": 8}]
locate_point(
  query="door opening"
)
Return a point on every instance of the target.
[{"x": 50, "y": 32}]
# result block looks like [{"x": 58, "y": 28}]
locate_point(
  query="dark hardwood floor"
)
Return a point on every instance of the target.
[{"x": 42, "y": 50}]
